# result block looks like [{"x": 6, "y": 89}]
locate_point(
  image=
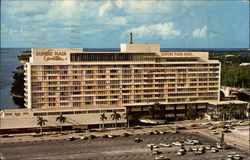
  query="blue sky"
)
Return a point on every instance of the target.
[{"x": 106, "y": 24}]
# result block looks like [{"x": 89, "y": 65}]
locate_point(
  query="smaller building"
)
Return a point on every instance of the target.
[
  {"x": 84, "y": 118},
  {"x": 227, "y": 110}
]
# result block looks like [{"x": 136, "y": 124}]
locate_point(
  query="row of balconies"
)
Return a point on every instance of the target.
[
  {"x": 95, "y": 84},
  {"x": 135, "y": 95},
  {"x": 115, "y": 89},
  {"x": 108, "y": 74},
  {"x": 120, "y": 87},
  {"x": 97, "y": 67}
]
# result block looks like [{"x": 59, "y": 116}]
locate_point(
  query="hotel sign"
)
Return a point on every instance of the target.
[
  {"x": 51, "y": 55},
  {"x": 177, "y": 53}
]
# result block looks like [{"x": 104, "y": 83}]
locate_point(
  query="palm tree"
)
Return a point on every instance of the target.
[
  {"x": 151, "y": 110},
  {"x": 223, "y": 110},
  {"x": 41, "y": 123},
  {"x": 233, "y": 108},
  {"x": 157, "y": 106},
  {"x": 103, "y": 117},
  {"x": 127, "y": 116},
  {"x": 61, "y": 119},
  {"x": 115, "y": 116},
  {"x": 243, "y": 110}
]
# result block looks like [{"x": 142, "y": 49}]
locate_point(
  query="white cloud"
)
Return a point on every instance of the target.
[
  {"x": 200, "y": 32},
  {"x": 119, "y": 3},
  {"x": 118, "y": 21},
  {"x": 107, "y": 5},
  {"x": 149, "y": 6},
  {"x": 161, "y": 30}
]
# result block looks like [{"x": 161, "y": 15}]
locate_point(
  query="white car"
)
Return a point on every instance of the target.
[
  {"x": 162, "y": 144},
  {"x": 83, "y": 137},
  {"x": 180, "y": 152},
  {"x": 177, "y": 144},
  {"x": 214, "y": 150},
  {"x": 168, "y": 145},
  {"x": 219, "y": 146},
  {"x": 150, "y": 145}
]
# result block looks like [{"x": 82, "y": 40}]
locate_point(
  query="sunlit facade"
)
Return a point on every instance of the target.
[{"x": 136, "y": 77}]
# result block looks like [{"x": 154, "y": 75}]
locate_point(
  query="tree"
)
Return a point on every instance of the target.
[
  {"x": 223, "y": 111},
  {"x": 151, "y": 110},
  {"x": 127, "y": 116},
  {"x": 17, "y": 89},
  {"x": 103, "y": 117},
  {"x": 61, "y": 119},
  {"x": 243, "y": 110},
  {"x": 41, "y": 122},
  {"x": 191, "y": 113},
  {"x": 115, "y": 116},
  {"x": 232, "y": 109}
]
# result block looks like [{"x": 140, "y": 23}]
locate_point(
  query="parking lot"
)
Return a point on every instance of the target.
[{"x": 111, "y": 148}]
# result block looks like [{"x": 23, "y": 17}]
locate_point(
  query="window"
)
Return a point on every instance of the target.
[
  {"x": 80, "y": 112},
  {"x": 70, "y": 112},
  {"x": 40, "y": 114},
  {"x": 94, "y": 111}
]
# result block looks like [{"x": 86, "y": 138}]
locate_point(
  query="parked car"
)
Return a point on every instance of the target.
[
  {"x": 188, "y": 149},
  {"x": 111, "y": 136},
  {"x": 212, "y": 127},
  {"x": 215, "y": 133},
  {"x": 191, "y": 142},
  {"x": 156, "y": 152},
  {"x": 180, "y": 152},
  {"x": 196, "y": 153},
  {"x": 237, "y": 157},
  {"x": 177, "y": 143},
  {"x": 162, "y": 132},
  {"x": 227, "y": 131},
  {"x": 175, "y": 131},
  {"x": 150, "y": 145},
  {"x": 137, "y": 127},
  {"x": 208, "y": 147},
  {"x": 194, "y": 148},
  {"x": 162, "y": 144},
  {"x": 230, "y": 157},
  {"x": 168, "y": 145},
  {"x": 214, "y": 150},
  {"x": 105, "y": 136},
  {"x": 151, "y": 133},
  {"x": 92, "y": 137},
  {"x": 84, "y": 137},
  {"x": 34, "y": 135},
  {"x": 162, "y": 158},
  {"x": 71, "y": 138},
  {"x": 209, "y": 124},
  {"x": 78, "y": 131},
  {"x": 125, "y": 134},
  {"x": 201, "y": 150},
  {"x": 138, "y": 140},
  {"x": 219, "y": 146}
]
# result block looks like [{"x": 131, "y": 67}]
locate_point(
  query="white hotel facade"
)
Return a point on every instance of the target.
[{"x": 136, "y": 78}]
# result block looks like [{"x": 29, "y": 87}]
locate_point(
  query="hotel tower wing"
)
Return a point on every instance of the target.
[{"x": 137, "y": 77}]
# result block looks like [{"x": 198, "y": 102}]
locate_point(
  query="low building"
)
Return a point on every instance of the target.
[
  {"x": 84, "y": 118},
  {"x": 225, "y": 110}
]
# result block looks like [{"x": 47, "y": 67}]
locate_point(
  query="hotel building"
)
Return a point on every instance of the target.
[{"x": 134, "y": 79}]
